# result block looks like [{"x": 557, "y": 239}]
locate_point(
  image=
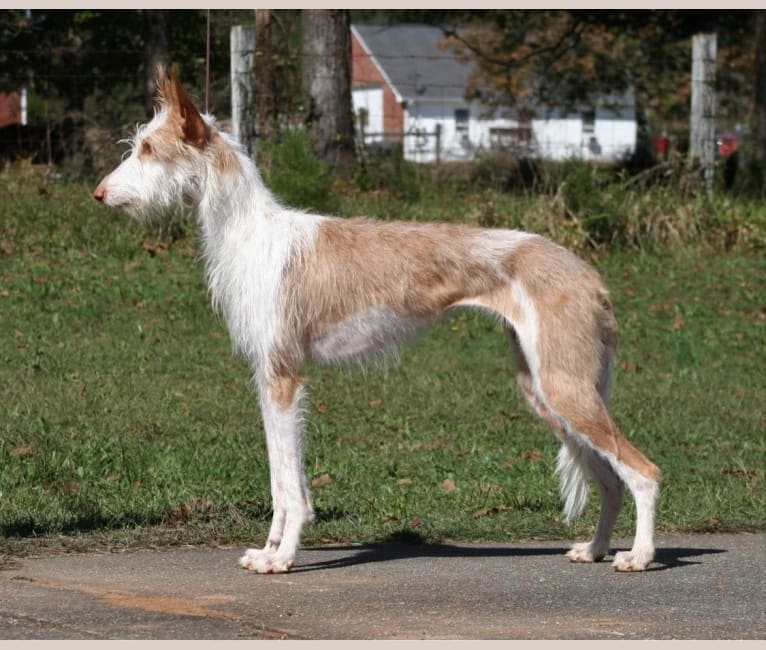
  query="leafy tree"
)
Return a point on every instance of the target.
[{"x": 534, "y": 59}]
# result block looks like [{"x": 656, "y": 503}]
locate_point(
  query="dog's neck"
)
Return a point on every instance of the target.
[
  {"x": 231, "y": 188},
  {"x": 247, "y": 239}
]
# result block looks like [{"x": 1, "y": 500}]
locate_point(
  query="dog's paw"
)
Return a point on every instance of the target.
[
  {"x": 630, "y": 561},
  {"x": 264, "y": 562},
  {"x": 585, "y": 552}
]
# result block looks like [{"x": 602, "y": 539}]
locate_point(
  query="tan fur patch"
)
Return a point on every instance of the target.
[
  {"x": 225, "y": 159},
  {"x": 569, "y": 297},
  {"x": 414, "y": 269},
  {"x": 499, "y": 300},
  {"x": 284, "y": 389},
  {"x": 582, "y": 407}
]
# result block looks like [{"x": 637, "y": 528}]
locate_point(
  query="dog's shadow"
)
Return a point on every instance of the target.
[{"x": 666, "y": 558}]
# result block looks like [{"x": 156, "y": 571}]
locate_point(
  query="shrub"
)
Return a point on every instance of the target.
[
  {"x": 295, "y": 174},
  {"x": 384, "y": 168}
]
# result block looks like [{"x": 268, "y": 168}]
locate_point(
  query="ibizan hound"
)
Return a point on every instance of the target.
[{"x": 293, "y": 285}]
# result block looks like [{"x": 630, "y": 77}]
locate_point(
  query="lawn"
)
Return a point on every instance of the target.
[{"x": 125, "y": 421}]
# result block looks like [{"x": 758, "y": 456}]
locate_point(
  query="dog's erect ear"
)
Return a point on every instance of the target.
[{"x": 170, "y": 93}]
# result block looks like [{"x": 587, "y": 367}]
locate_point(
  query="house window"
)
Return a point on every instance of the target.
[
  {"x": 461, "y": 121},
  {"x": 589, "y": 121},
  {"x": 363, "y": 118},
  {"x": 516, "y": 139}
]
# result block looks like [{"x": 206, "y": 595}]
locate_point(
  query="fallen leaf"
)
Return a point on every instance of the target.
[
  {"x": 533, "y": 455},
  {"x": 375, "y": 403},
  {"x": 483, "y": 512},
  {"x": 416, "y": 522},
  {"x": 154, "y": 248},
  {"x": 742, "y": 471},
  {"x": 20, "y": 451},
  {"x": 448, "y": 485},
  {"x": 150, "y": 325},
  {"x": 404, "y": 481},
  {"x": 322, "y": 408},
  {"x": 628, "y": 366},
  {"x": 325, "y": 479},
  {"x": 194, "y": 509},
  {"x": 678, "y": 322},
  {"x": 659, "y": 306}
]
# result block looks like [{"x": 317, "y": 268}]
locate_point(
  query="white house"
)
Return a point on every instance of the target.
[{"x": 403, "y": 83}]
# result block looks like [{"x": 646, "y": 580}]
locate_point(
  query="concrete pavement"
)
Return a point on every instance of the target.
[{"x": 701, "y": 587}]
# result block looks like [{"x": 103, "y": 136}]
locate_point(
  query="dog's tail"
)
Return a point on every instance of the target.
[{"x": 572, "y": 470}]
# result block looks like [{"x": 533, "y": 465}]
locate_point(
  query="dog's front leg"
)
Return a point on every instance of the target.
[{"x": 280, "y": 405}]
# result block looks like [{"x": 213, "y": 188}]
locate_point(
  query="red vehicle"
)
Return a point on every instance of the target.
[{"x": 727, "y": 143}]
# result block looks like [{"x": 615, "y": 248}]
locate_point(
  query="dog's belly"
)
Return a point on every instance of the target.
[{"x": 363, "y": 334}]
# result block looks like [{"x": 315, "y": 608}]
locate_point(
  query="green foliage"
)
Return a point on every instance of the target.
[
  {"x": 295, "y": 174},
  {"x": 386, "y": 169}
]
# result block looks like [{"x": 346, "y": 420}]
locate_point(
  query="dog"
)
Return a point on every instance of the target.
[{"x": 292, "y": 285}]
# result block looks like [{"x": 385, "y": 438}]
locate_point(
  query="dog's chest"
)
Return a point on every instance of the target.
[{"x": 245, "y": 269}]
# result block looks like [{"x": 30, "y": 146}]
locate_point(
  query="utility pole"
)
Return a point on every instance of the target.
[{"x": 702, "y": 138}]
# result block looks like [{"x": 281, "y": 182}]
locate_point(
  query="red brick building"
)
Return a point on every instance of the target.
[
  {"x": 366, "y": 73},
  {"x": 10, "y": 109}
]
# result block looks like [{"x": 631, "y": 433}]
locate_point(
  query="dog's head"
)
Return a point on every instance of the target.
[{"x": 165, "y": 164}]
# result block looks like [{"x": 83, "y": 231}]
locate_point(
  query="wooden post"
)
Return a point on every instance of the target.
[
  {"x": 242, "y": 117},
  {"x": 438, "y": 143},
  {"x": 702, "y": 138}
]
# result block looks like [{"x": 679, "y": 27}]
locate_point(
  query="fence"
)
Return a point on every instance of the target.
[
  {"x": 83, "y": 136},
  {"x": 417, "y": 145}
]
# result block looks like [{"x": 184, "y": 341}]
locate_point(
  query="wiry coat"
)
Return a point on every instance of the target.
[{"x": 292, "y": 285}]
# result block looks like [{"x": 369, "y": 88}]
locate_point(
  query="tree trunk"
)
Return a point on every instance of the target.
[
  {"x": 156, "y": 49},
  {"x": 759, "y": 121},
  {"x": 326, "y": 84}
]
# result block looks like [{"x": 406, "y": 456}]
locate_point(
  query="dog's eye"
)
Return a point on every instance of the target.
[{"x": 146, "y": 148}]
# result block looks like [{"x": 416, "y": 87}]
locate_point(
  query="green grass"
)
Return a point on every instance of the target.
[{"x": 125, "y": 421}]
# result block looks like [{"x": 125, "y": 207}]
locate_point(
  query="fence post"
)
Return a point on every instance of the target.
[
  {"x": 702, "y": 137},
  {"x": 242, "y": 114},
  {"x": 438, "y": 143}
]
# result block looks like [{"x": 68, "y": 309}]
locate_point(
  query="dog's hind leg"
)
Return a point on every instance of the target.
[
  {"x": 575, "y": 465},
  {"x": 586, "y": 418},
  {"x": 610, "y": 486},
  {"x": 611, "y": 490},
  {"x": 280, "y": 405}
]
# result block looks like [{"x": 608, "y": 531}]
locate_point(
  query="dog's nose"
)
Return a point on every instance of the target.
[{"x": 99, "y": 193}]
